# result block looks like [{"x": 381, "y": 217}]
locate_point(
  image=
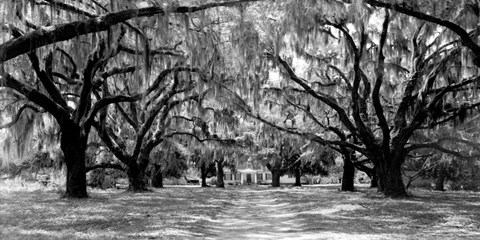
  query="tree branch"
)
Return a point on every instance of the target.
[
  {"x": 330, "y": 102},
  {"x": 464, "y": 36},
  {"x": 34, "y": 96},
  {"x": 66, "y": 31},
  {"x": 380, "y": 72},
  {"x": 19, "y": 113},
  {"x": 107, "y": 101},
  {"x": 105, "y": 165}
]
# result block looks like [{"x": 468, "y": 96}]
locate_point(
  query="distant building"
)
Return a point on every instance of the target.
[{"x": 251, "y": 173}]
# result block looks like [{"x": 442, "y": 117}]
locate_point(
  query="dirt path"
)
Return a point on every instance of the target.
[
  {"x": 310, "y": 212},
  {"x": 258, "y": 214}
]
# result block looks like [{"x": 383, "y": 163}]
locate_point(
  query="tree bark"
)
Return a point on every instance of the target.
[
  {"x": 157, "y": 176},
  {"x": 74, "y": 146},
  {"x": 136, "y": 178},
  {"x": 203, "y": 174},
  {"x": 440, "y": 180},
  {"x": 348, "y": 177},
  {"x": 298, "y": 175},
  {"x": 276, "y": 174},
  {"x": 220, "y": 182},
  {"x": 374, "y": 179},
  {"x": 389, "y": 173}
]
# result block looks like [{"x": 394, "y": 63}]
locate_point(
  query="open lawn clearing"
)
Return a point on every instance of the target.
[{"x": 313, "y": 212}]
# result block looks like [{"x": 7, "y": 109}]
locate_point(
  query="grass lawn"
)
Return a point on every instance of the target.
[{"x": 312, "y": 212}]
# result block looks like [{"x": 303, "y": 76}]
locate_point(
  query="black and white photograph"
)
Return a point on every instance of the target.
[{"x": 240, "y": 119}]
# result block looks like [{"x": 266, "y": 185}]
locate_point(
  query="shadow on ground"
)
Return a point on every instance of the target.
[{"x": 317, "y": 212}]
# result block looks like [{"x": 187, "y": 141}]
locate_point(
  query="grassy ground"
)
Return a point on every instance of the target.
[{"x": 313, "y": 212}]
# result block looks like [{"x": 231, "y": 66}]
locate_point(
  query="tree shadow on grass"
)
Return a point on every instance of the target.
[{"x": 246, "y": 213}]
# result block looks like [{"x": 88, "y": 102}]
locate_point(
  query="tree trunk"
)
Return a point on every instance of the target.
[
  {"x": 203, "y": 174},
  {"x": 298, "y": 175},
  {"x": 136, "y": 178},
  {"x": 374, "y": 179},
  {"x": 157, "y": 176},
  {"x": 276, "y": 174},
  {"x": 220, "y": 182},
  {"x": 74, "y": 147},
  {"x": 440, "y": 180},
  {"x": 348, "y": 177},
  {"x": 390, "y": 182}
]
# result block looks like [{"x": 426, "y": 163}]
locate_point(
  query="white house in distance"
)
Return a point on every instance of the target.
[{"x": 252, "y": 173}]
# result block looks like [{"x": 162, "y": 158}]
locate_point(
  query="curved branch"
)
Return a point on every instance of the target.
[
  {"x": 116, "y": 70},
  {"x": 108, "y": 137},
  {"x": 34, "y": 96},
  {"x": 45, "y": 77},
  {"x": 165, "y": 73},
  {"x": 19, "y": 113},
  {"x": 107, "y": 101},
  {"x": 437, "y": 146},
  {"x": 464, "y": 36},
  {"x": 342, "y": 75},
  {"x": 74, "y": 74},
  {"x": 330, "y": 102},
  {"x": 380, "y": 72},
  {"x": 132, "y": 122}
]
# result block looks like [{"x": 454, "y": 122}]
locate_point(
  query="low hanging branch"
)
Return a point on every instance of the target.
[
  {"x": 214, "y": 139},
  {"x": 438, "y": 146},
  {"x": 61, "y": 32},
  {"x": 105, "y": 165}
]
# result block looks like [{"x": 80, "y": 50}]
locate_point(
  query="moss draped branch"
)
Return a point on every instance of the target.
[{"x": 61, "y": 32}]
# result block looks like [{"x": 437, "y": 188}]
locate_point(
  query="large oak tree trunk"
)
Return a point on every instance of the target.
[
  {"x": 74, "y": 146},
  {"x": 136, "y": 178},
  {"x": 157, "y": 176},
  {"x": 348, "y": 176},
  {"x": 220, "y": 182},
  {"x": 76, "y": 186},
  {"x": 390, "y": 181},
  {"x": 276, "y": 174}
]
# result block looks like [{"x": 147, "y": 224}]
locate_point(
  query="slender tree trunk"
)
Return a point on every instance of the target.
[
  {"x": 276, "y": 174},
  {"x": 74, "y": 146},
  {"x": 203, "y": 174},
  {"x": 440, "y": 180},
  {"x": 348, "y": 178},
  {"x": 374, "y": 179},
  {"x": 298, "y": 175},
  {"x": 157, "y": 176},
  {"x": 220, "y": 182}
]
